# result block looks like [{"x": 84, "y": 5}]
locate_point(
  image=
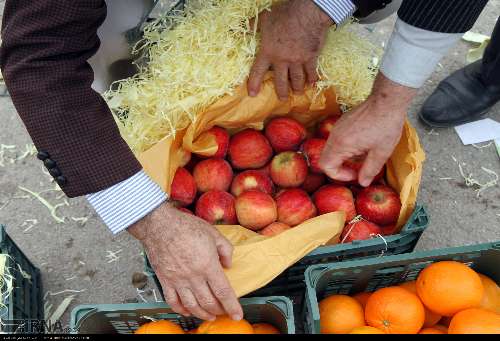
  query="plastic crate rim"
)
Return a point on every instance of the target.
[{"x": 314, "y": 272}]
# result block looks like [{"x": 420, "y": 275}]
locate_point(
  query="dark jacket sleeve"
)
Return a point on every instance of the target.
[
  {"x": 43, "y": 58},
  {"x": 447, "y": 16}
]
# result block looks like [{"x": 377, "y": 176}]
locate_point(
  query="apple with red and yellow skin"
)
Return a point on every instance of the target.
[
  {"x": 255, "y": 210},
  {"x": 183, "y": 189},
  {"x": 213, "y": 175},
  {"x": 333, "y": 198},
  {"x": 221, "y": 137},
  {"x": 326, "y": 126},
  {"x": 312, "y": 149},
  {"x": 251, "y": 179},
  {"x": 294, "y": 207},
  {"x": 389, "y": 230},
  {"x": 379, "y": 204},
  {"x": 249, "y": 149},
  {"x": 289, "y": 169},
  {"x": 266, "y": 170},
  {"x": 285, "y": 134},
  {"x": 360, "y": 230},
  {"x": 274, "y": 229},
  {"x": 313, "y": 182},
  {"x": 217, "y": 208}
]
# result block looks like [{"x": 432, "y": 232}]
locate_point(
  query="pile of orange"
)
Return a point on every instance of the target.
[
  {"x": 447, "y": 298},
  {"x": 221, "y": 325}
]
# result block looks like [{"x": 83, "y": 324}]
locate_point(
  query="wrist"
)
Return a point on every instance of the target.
[
  {"x": 142, "y": 229},
  {"x": 391, "y": 96},
  {"x": 317, "y": 15}
]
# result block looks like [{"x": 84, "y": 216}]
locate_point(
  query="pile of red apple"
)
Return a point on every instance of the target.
[{"x": 271, "y": 182}]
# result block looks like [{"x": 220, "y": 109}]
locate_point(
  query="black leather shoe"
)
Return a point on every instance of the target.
[{"x": 462, "y": 97}]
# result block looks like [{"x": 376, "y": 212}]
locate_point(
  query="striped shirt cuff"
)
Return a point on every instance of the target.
[
  {"x": 339, "y": 10},
  {"x": 127, "y": 202}
]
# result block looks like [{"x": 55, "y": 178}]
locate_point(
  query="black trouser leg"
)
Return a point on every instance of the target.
[{"x": 491, "y": 60}]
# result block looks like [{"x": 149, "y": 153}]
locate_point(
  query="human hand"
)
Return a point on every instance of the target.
[
  {"x": 293, "y": 34},
  {"x": 188, "y": 256},
  {"x": 373, "y": 130}
]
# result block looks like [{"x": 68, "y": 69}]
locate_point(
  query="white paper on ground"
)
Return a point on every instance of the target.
[{"x": 479, "y": 131}]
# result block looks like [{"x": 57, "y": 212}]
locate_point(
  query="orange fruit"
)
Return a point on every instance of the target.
[
  {"x": 339, "y": 314},
  {"x": 160, "y": 327},
  {"x": 475, "y": 321},
  {"x": 225, "y": 325},
  {"x": 395, "y": 310},
  {"x": 491, "y": 296},
  {"x": 362, "y": 298},
  {"x": 448, "y": 287},
  {"x": 265, "y": 328},
  {"x": 431, "y": 330},
  {"x": 431, "y": 318},
  {"x": 366, "y": 330}
]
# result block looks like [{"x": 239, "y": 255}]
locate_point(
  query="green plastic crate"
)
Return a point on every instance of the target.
[
  {"x": 371, "y": 274},
  {"x": 25, "y": 301},
  {"x": 291, "y": 282},
  {"x": 126, "y": 318}
]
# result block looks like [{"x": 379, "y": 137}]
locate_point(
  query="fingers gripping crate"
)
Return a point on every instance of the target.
[
  {"x": 24, "y": 302},
  {"x": 371, "y": 274},
  {"x": 291, "y": 282},
  {"x": 126, "y": 318}
]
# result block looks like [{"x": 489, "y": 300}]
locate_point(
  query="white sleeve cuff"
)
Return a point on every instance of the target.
[
  {"x": 338, "y": 10},
  {"x": 127, "y": 202},
  {"x": 412, "y": 53}
]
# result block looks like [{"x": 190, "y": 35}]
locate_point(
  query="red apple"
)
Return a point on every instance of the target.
[
  {"x": 389, "y": 230},
  {"x": 266, "y": 169},
  {"x": 325, "y": 126},
  {"x": 213, "y": 175},
  {"x": 249, "y": 149},
  {"x": 379, "y": 204},
  {"x": 274, "y": 229},
  {"x": 183, "y": 189},
  {"x": 255, "y": 210},
  {"x": 252, "y": 179},
  {"x": 294, "y": 207},
  {"x": 289, "y": 169},
  {"x": 185, "y": 210},
  {"x": 312, "y": 149},
  {"x": 359, "y": 230},
  {"x": 285, "y": 134},
  {"x": 221, "y": 137},
  {"x": 313, "y": 182},
  {"x": 216, "y": 207},
  {"x": 332, "y": 198}
]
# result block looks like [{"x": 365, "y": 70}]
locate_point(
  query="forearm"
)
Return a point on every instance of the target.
[
  {"x": 391, "y": 95},
  {"x": 45, "y": 48}
]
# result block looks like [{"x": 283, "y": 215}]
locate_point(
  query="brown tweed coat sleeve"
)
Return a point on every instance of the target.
[{"x": 43, "y": 58}]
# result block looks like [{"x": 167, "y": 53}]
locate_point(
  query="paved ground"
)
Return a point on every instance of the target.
[{"x": 75, "y": 255}]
